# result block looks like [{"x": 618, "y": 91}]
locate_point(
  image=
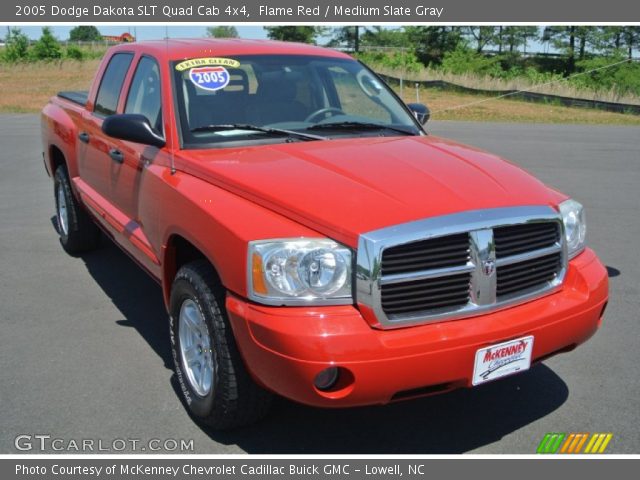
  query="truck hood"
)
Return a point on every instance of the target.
[{"x": 343, "y": 188}]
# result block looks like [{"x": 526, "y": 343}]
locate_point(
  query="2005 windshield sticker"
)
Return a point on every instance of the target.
[
  {"x": 209, "y": 78},
  {"x": 208, "y": 73}
]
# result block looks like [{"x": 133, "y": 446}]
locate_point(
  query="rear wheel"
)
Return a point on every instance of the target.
[
  {"x": 213, "y": 380},
  {"x": 77, "y": 231}
]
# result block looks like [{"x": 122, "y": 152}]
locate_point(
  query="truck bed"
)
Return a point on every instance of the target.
[{"x": 78, "y": 96}]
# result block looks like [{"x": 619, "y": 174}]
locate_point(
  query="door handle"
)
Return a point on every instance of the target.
[
  {"x": 116, "y": 155},
  {"x": 84, "y": 137}
]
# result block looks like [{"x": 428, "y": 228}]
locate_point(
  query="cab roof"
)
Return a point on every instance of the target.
[{"x": 183, "y": 48}]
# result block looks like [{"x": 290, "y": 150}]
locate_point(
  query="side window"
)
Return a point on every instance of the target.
[
  {"x": 111, "y": 84},
  {"x": 144, "y": 94}
]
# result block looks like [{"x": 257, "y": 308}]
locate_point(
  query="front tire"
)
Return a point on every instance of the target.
[
  {"x": 77, "y": 231},
  {"x": 212, "y": 377}
]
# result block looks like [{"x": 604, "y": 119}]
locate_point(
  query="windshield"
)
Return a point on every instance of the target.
[{"x": 270, "y": 98}]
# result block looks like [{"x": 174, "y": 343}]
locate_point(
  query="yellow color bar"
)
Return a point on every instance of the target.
[
  {"x": 596, "y": 445},
  {"x": 591, "y": 442},
  {"x": 606, "y": 441}
]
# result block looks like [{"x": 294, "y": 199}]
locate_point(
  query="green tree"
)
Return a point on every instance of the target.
[
  {"x": 432, "y": 43},
  {"x": 481, "y": 36},
  {"x": 464, "y": 59},
  {"x": 74, "y": 52},
  {"x": 621, "y": 78},
  {"x": 500, "y": 38},
  {"x": 610, "y": 39},
  {"x": 303, "y": 34},
  {"x": 525, "y": 34},
  {"x": 512, "y": 38},
  {"x": 385, "y": 37},
  {"x": 588, "y": 37},
  {"x": 574, "y": 41},
  {"x": 564, "y": 39},
  {"x": 347, "y": 36},
  {"x": 222, "y": 31},
  {"x": 613, "y": 40},
  {"x": 84, "y": 33},
  {"x": 47, "y": 47},
  {"x": 16, "y": 45},
  {"x": 631, "y": 37}
]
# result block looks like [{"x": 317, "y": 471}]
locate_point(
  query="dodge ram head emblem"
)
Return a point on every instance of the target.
[{"x": 488, "y": 267}]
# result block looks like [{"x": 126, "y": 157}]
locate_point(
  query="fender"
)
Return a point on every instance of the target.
[{"x": 216, "y": 224}]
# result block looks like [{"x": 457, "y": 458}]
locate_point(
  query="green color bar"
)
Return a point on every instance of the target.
[
  {"x": 551, "y": 443},
  {"x": 558, "y": 442},
  {"x": 543, "y": 444}
]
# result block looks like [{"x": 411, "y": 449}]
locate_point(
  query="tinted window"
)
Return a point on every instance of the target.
[
  {"x": 144, "y": 93},
  {"x": 301, "y": 93},
  {"x": 111, "y": 84}
]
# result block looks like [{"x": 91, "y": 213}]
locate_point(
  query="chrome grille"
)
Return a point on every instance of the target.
[
  {"x": 528, "y": 274},
  {"x": 427, "y": 294},
  {"x": 517, "y": 239},
  {"x": 533, "y": 273},
  {"x": 459, "y": 265},
  {"x": 444, "y": 252}
]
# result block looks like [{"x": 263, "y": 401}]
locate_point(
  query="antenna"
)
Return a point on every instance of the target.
[{"x": 170, "y": 113}]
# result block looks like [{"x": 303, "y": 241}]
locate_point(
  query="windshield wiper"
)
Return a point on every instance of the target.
[
  {"x": 358, "y": 126},
  {"x": 256, "y": 128}
]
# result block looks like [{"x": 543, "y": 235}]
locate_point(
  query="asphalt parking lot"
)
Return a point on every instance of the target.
[{"x": 84, "y": 345}]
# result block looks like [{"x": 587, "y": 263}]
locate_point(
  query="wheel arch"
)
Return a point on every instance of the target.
[
  {"x": 56, "y": 158},
  {"x": 179, "y": 251}
]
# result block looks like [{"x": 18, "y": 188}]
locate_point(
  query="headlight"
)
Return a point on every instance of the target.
[
  {"x": 575, "y": 227},
  {"x": 299, "y": 271}
]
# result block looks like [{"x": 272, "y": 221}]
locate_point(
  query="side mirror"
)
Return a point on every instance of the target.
[
  {"x": 420, "y": 111},
  {"x": 132, "y": 127}
]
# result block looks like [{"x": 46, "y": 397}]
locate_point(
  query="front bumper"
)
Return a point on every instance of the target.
[{"x": 286, "y": 347}]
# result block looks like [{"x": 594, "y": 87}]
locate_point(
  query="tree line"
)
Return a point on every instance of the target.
[
  {"x": 597, "y": 58},
  {"x": 431, "y": 43},
  {"x": 18, "y": 47},
  {"x": 503, "y": 52}
]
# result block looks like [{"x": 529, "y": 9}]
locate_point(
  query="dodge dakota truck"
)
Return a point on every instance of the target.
[{"x": 310, "y": 238}]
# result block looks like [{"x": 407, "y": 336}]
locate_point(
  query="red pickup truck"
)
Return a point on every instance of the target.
[{"x": 310, "y": 238}]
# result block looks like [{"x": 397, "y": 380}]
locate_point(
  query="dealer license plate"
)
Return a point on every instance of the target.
[{"x": 502, "y": 359}]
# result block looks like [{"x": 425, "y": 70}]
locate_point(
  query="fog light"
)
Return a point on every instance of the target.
[{"x": 327, "y": 378}]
